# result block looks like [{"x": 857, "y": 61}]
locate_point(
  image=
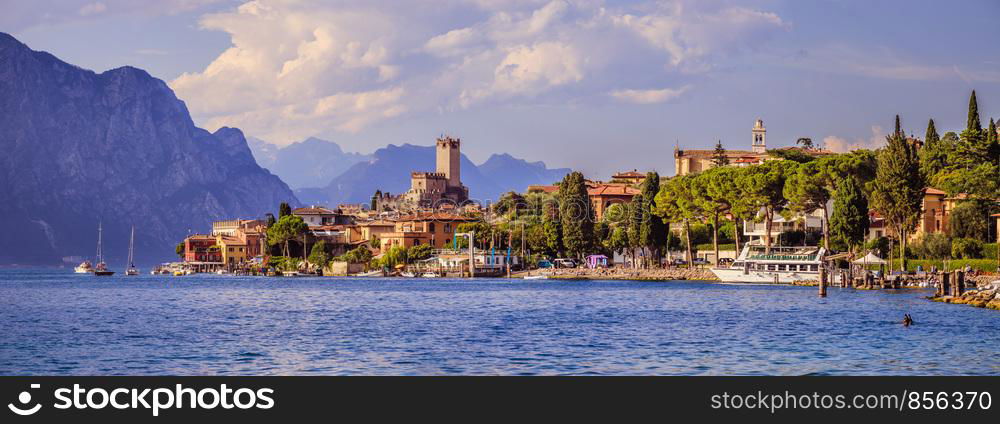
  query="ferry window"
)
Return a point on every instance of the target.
[
  {"x": 782, "y": 267},
  {"x": 813, "y": 268}
]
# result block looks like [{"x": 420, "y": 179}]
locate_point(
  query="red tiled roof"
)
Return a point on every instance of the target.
[
  {"x": 313, "y": 211},
  {"x": 435, "y": 216},
  {"x": 932, "y": 190},
  {"x": 612, "y": 190},
  {"x": 629, "y": 174}
]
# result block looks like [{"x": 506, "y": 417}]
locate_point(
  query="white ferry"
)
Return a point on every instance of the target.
[{"x": 782, "y": 265}]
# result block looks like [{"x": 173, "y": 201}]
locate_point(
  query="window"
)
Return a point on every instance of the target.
[
  {"x": 430, "y": 227},
  {"x": 447, "y": 228}
]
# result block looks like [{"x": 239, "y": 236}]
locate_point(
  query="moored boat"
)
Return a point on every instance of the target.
[
  {"x": 779, "y": 265},
  {"x": 131, "y": 270},
  {"x": 101, "y": 269}
]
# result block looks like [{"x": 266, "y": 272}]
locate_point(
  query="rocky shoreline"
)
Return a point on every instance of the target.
[
  {"x": 988, "y": 296},
  {"x": 628, "y": 274}
]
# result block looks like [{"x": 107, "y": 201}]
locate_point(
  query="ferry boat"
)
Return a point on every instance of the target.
[
  {"x": 782, "y": 265},
  {"x": 84, "y": 268}
]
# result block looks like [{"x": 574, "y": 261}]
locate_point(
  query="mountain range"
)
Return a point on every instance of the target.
[
  {"x": 116, "y": 148},
  {"x": 312, "y": 162},
  {"x": 388, "y": 169}
]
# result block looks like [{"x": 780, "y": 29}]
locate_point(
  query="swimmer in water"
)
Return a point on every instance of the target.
[{"x": 907, "y": 320}]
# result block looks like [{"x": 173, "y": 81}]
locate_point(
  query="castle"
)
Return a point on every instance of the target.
[{"x": 432, "y": 189}]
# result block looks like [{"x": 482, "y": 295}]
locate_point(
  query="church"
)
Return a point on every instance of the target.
[{"x": 694, "y": 161}]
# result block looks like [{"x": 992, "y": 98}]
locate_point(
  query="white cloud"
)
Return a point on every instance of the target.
[
  {"x": 843, "y": 145},
  {"x": 300, "y": 68},
  {"x": 649, "y": 96}
]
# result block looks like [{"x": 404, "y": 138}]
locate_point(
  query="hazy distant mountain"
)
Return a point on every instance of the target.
[
  {"x": 309, "y": 163},
  {"x": 389, "y": 171},
  {"x": 119, "y": 148},
  {"x": 517, "y": 174}
]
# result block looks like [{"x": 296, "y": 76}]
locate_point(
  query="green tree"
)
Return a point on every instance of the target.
[
  {"x": 576, "y": 215},
  {"x": 714, "y": 190},
  {"x": 805, "y": 142},
  {"x": 763, "y": 188},
  {"x": 719, "y": 158},
  {"x": 510, "y": 202},
  {"x": 637, "y": 215},
  {"x": 653, "y": 233},
  {"x": 677, "y": 202},
  {"x": 970, "y": 219},
  {"x": 618, "y": 241},
  {"x": 552, "y": 228},
  {"x": 849, "y": 223},
  {"x": 419, "y": 252},
  {"x": 807, "y": 190},
  {"x": 180, "y": 249},
  {"x": 934, "y": 154},
  {"x": 357, "y": 255},
  {"x": 899, "y": 188},
  {"x": 269, "y": 219},
  {"x": 318, "y": 255},
  {"x": 284, "y": 209},
  {"x": 286, "y": 229}
]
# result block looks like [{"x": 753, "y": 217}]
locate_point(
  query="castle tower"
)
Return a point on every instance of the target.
[
  {"x": 759, "y": 144},
  {"x": 448, "y": 158}
]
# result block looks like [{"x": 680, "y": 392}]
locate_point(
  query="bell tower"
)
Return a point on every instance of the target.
[
  {"x": 759, "y": 144},
  {"x": 448, "y": 160}
]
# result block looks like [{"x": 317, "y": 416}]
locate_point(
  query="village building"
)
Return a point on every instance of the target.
[
  {"x": 250, "y": 233},
  {"x": 202, "y": 249},
  {"x": 434, "y": 228},
  {"x": 315, "y": 216},
  {"x": 633, "y": 177},
  {"x": 367, "y": 231},
  {"x": 603, "y": 195}
]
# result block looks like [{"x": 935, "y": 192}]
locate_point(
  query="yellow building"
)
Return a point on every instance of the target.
[
  {"x": 436, "y": 229},
  {"x": 234, "y": 250}
]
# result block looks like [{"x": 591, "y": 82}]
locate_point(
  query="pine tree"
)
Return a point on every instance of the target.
[
  {"x": 719, "y": 158},
  {"x": 849, "y": 222}
]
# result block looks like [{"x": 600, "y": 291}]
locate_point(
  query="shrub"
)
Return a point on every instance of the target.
[
  {"x": 966, "y": 248},
  {"x": 986, "y": 265}
]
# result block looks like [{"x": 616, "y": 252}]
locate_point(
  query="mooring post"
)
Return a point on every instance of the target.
[
  {"x": 822, "y": 281},
  {"x": 942, "y": 288},
  {"x": 960, "y": 283}
]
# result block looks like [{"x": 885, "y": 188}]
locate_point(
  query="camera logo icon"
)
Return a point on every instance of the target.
[{"x": 24, "y": 398}]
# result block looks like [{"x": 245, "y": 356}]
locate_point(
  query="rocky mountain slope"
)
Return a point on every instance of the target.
[
  {"x": 116, "y": 147},
  {"x": 309, "y": 163}
]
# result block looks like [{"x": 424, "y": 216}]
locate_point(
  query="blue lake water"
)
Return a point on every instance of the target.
[{"x": 60, "y": 323}]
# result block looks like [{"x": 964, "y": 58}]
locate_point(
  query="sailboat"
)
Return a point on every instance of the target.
[
  {"x": 131, "y": 270},
  {"x": 101, "y": 268}
]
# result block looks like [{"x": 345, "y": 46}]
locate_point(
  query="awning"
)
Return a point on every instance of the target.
[{"x": 869, "y": 259}]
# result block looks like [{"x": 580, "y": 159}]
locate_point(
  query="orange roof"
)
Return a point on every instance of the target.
[
  {"x": 313, "y": 210},
  {"x": 612, "y": 190},
  {"x": 544, "y": 188},
  {"x": 932, "y": 190},
  {"x": 629, "y": 174},
  {"x": 435, "y": 216},
  {"x": 231, "y": 240}
]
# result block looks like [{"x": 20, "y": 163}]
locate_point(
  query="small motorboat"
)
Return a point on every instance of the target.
[
  {"x": 376, "y": 273},
  {"x": 84, "y": 268},
  {"x": 408, "y": 274},
  {"x": 430, "y": 275},
  {"x": 536, "y": 277}
]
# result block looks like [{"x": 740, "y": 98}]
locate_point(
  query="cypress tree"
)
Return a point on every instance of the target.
[
  {"x": 652, "y": 234},
  {"x": 972, "y": 122},
  {"x": 719, "y": 158},
  {"x": 932, "y": 137},
  {"x": 576, "y": 215},
  {"x": 899, "y": 129},
  {"x": 284, "y": 210},
  {"x": 992, "y": 142},
  {"x": 899, "y": 187},
  {"x": 638, "y": 214},
  {"x": 849, "y": 222}
]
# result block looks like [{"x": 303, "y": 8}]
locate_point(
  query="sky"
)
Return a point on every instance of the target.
[{"x": 598, "y": 86}]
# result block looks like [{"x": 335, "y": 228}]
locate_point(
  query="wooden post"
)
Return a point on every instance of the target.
[
  {"x": 822, "y": 281},
  {"x": 960, "y": 283},
  {"x": 942, "y": 288}
]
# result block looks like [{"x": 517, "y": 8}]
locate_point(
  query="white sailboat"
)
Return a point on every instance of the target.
[
  {"x": 101, "y": 269},
  {"x": 131, "y": 270}
]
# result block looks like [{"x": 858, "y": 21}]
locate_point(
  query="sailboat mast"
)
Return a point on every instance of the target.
[
  {"x": 131, "y": 240},
  {"x": 99, "y": 256}
]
